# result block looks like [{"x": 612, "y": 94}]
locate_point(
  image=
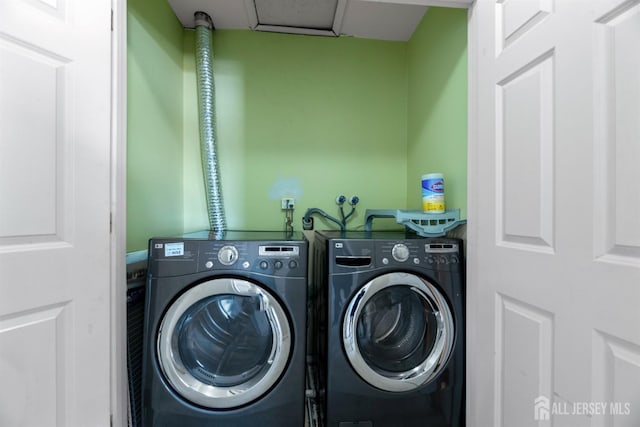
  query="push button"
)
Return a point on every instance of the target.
[{"x": 264, "y": 265}]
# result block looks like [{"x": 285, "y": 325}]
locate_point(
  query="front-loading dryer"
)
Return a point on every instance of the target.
[
  {"x": 390, "y": 321},
  {"x": 224, "y": 334}
]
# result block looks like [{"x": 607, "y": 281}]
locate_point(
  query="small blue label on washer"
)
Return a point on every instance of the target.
[{"x": 173, "y": 249}]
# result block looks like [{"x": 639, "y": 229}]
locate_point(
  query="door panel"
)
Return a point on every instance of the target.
[
  {"x": 37, "y": 88},
  {"x": 616, "y": 378},
  {"x": 524, "y": 138},
  {"x": 54, "y": 212},
  {"x": 524, "y": 343},
  {"x": 617, "y": 133},
  {"x": 554, "y": 277}
]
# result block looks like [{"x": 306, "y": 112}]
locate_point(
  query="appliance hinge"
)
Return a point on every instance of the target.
[
  {"x": 111, "y": 20},
  {"x": 110, "y": 222}
]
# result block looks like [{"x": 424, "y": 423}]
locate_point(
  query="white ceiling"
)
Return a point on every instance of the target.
[{"x": 372, "y": 19}]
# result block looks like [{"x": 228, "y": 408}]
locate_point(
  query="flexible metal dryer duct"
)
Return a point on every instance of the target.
[{"x": 206, "y": 112}]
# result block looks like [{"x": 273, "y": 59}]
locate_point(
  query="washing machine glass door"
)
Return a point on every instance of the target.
[
  {"x": 224, "y": 343},
  {"x": 398, "y": 332}
]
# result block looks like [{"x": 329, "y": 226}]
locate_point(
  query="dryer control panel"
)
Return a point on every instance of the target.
[
  {"x": 280, "y": 259},
  {"x": 272, "y": 258}
]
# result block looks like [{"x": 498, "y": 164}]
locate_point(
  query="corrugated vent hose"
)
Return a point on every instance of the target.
[{"x": 207, "y": 121}]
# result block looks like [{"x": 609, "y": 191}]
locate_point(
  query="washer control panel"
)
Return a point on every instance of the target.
[
  {"x": 362, "y": 252},
  {"x": 432, "y": 253}
]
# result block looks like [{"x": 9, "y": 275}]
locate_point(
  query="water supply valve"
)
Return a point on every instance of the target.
[{"x": 287, "y": 203}]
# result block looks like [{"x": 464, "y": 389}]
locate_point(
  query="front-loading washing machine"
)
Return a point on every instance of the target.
[
  {"x": 224, "y": 334},
  {"x": 390, "y": 322}
]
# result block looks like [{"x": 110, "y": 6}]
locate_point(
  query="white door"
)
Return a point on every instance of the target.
[
  {"x": 54, "y": 212},
  {"x": 554, "y": 214}
]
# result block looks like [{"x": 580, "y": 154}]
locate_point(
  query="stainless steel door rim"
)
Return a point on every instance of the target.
[
  {"x": 428, "y": 367},
  {"x": 221, "y": 397}
]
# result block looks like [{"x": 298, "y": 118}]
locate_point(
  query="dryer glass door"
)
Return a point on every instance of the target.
[
  {"x": 398, "y": 332},
  {"x": 224, "y": 343}
]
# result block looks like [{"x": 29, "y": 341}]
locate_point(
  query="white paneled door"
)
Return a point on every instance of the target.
[
  {"x": 554, "y": 214},
  {"x": 54, "y": 212}
]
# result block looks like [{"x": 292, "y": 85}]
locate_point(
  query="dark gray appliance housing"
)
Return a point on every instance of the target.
[
  {"x": 225, "y": 325},
  {"x": 136, "y": 275},
  {"x": 389, "y": 317}
]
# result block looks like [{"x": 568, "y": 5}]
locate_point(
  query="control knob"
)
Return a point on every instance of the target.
[
  {"x": 228, "y": 255},
  {"x": 400, "y": 252}
]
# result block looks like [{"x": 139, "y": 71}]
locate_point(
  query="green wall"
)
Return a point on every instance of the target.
[
  {"x": 154, "y": 123},
  {"x": 437, "y": 109},
  {"x": 310, "y": 117}
]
